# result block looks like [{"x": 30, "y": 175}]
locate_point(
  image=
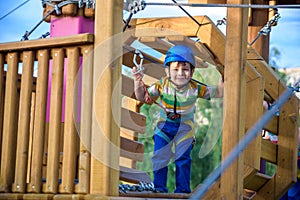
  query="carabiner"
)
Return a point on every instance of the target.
[{"x": 139, "y": 67}]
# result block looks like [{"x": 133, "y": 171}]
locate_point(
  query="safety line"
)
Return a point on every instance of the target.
[
  {"x": 258, "y": 6},
  {"x": 249, "y": 136}
]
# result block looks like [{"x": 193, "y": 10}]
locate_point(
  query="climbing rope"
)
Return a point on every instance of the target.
[
  {"x": 140, "y": 187},
  {"x": 267, "y": 28}
]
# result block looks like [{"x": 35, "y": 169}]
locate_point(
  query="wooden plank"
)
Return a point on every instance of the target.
[
  {"x": 9, "y": 137},
  {"x": 134, "y": 175},
  {"x": 161, "y": 27},
  {"x": 129, "y": 104},
  {"x": 271, "y": 78},
  {"x": 268, "y": 151},
  {"x": 256, "y": 182},
  {"x": 155, "y": 43},
  {"x": 272, "y": 125},
  {"x": 254, "y": 111},
  {"x": 51, "y": 185},
  {"x": 234, "y": 98},
  {"x": 288, "y": 133},
  {"x": 24, "y": 123},
  {"x": 70, "y": 134},
  {"x": 83, "y": 185},
  {"x": 213, "y": 38},
  {"x": 132, "y": 149},
  {"x": 133, "y": 121},
  {"x": 55, "y": 42},
  {"x": 107, "y": 73},
  {"x": 267, "y": 191},
  {"x": 128, "y": 87},
  {"x": 35, "y": 184}
]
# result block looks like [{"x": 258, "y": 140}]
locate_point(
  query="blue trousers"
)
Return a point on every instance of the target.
[{"x": 166, "y": 135}]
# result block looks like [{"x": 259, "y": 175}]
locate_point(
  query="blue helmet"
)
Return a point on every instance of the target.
[{"x": 180, "y": 53}]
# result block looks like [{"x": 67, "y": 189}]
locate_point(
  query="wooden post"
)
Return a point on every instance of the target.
[
  {"x": 23, "y": 123},
  {"x": 9, "y": 137},
  {"x": 107, "y": 71},
  {"x": 259, "y": 17},
  {"x": 234, "y": 98}
]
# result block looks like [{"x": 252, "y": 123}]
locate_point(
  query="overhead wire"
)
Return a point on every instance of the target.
[{"x": 13, "y": 10}]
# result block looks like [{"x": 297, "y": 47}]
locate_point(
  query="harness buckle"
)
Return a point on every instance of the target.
[{"x": 173, "y": 116}]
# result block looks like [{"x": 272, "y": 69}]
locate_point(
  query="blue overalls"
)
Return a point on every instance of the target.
[{"x": 167, "y": 134}]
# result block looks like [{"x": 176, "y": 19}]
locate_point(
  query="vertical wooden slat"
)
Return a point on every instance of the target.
[
  {"x": 234, "y": 98},
  {"x": 24, "y": 122},
  {"x": 51, "y": 185},
  {"x": 287, "y": 152},
  {"x": 70, "y": 134},
  {"x": 31, "y": 127},
  {"x": 254, "y": 111},
  {"x": 9, "y": 124},
  {"x": 2, "y": 84},
  {"x": 83, "y": 185},
  {"x": 35, "y": 184},
  {"x": 107, "y": 73}
]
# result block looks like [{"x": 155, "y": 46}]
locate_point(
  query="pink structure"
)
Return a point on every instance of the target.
[{"x": 63, "y": 27}]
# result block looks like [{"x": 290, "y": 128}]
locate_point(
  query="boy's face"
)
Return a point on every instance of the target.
[{"x": 180, "y": 73}]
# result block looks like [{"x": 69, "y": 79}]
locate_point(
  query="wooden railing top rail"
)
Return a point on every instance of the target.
[{"x": 48, "y": 43}]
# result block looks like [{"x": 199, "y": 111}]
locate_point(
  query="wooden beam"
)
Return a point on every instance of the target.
[
  {"x": 133, "y": 120},
  {"x": 106, "y": 109},
  {"x": 234, "y": 98},
  {"x": 259, "y": 17},
  {"x": 288, "y": 133},
  {"x": 254, "y": 111},
  {"x": 271, "y": 78},
  {"x": 272, "y": 125},
  {"x": 132, "y": 149},
  {"x": 268, "y": 151},
  {"x": 134, "y": 175}
]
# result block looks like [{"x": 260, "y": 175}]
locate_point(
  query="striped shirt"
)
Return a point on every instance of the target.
[{"x": 185, "y": 100}]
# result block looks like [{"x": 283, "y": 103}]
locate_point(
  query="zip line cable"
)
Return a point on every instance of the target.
[
  {"x": 22, "y": 4},
  {"x": 249, "y": 136},
  {"x": 257, "y": 6}
]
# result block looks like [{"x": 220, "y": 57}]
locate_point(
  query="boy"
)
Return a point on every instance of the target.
[{"x": 178, "y": 94}]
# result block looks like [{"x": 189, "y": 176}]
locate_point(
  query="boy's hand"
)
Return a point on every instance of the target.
[{"x": 137, "y": 76}]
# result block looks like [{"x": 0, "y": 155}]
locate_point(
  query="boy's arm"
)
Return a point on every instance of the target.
[{"x": 139, "y": 89}]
